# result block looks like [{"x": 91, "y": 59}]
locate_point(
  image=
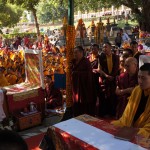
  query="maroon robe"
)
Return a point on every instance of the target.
[
  {"x": 53, "y": 97},
  {"x": 82, "y": 86},
  {"x": 108, "y": 97},
  {"x": 94, "y": 65},
  {"x": 124, "y": 81},
  {"x": 97, "y": 87},
  {"x": 137, "y": 56}
]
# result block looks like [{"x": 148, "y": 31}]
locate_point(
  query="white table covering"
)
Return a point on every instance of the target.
[{"x": 94, "y": 136}]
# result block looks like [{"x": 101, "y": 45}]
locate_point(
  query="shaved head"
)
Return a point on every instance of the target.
[
  {"x": 131, "y": 65},
  {"x": 130, "y": 60}
]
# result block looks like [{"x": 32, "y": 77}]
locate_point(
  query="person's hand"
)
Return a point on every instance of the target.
[
  {"x": 119, "y": 92},
  {"x": 95, "y": 70},
  {"x": 75, "y": 72},
  {"x": 110, "y": 78},
  {"x": 129, "y": 90}
]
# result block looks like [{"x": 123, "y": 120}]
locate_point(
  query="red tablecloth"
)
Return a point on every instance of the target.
[
  {"x": 64, "y": 141},
  {"x": 18, "y": 103}
]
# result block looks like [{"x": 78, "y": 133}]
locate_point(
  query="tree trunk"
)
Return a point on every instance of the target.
[
  {"x": 145, "y": 21},
  {"x": 142, "y": 15},
  {"x": 36, "y": 21}
]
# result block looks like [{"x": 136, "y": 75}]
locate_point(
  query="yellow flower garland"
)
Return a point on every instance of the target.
[{"x": 70, "y": 44}]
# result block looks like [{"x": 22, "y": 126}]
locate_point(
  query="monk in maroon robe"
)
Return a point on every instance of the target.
[
  {"x": 94, "y": 60},
  {"x": 95, "y": 64},
  {"x": 134, "y": 49},
  {"x": 109, "y": 63},
  {"x": 125, "y": 84},
  {"x": 53, "y": 95},
  {"x": 82, "y": 84}
]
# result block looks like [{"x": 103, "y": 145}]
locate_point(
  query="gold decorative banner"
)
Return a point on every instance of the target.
[
  {"x": 25, "y": 95},
  {"x": 34, "y": 67}
]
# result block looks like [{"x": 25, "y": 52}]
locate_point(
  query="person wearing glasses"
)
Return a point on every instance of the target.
[{"x": 126, "y": 82}]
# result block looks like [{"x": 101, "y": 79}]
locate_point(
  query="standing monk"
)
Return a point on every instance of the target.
[
  {"x": 134, "y": 49},
  {"x": 109, "y": 65},
  {"x": 94, "y": 59},
  {"x": 82, "y": 84}
]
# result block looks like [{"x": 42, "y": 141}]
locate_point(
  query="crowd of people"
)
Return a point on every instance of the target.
[
  {"x": 12, "y": 66},
  {"x": 115, "y": 82},
  {"x": 102, "y": 80}
]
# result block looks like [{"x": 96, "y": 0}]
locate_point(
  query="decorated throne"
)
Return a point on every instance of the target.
[{"x": 20, "y": 96}]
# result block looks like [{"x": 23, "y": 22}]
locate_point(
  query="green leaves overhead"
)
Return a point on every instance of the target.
[
  {"x": 51, "y": 10},
  {"x": 29, "y": 5},
  {"x": 9, "y": 15}
]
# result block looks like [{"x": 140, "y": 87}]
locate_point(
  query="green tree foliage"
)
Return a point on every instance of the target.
[
  {"x": 140, "y": 8},
  {"x": 24, "y": 18},
  {"x": 90, "y": 5},
  {"x": 29, "y": 5},
  {"x": 9, "y": 15},
  {"x": 48, "y": 11}
]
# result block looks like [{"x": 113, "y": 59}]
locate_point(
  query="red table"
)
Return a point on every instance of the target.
[
  {"x": 64, "y": 141},
  {"x": 19, "y": 102}
]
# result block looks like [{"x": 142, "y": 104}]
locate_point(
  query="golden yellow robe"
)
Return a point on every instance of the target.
[
  {"x": 46, "y": 72},
  {"x": 20, "y": 81},
  {"x": 109, "y": 63},
  {"x": 3, "y": 81},
  {"x": 12, "y": 79},
  {"x": 143, "y": 122}
]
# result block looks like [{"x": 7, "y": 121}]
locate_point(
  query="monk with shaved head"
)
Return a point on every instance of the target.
[{"x": 125, "y": 84}]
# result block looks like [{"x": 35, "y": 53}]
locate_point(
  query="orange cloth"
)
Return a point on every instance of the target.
[{"x": 46, "y": 72}]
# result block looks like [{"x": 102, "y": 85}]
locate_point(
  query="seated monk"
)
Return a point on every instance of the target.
[
  {"x": 137, "y": 112},
  {"x": 21, "y": 78},
  {"x": 122, "y": 62},
  {"x": 11, "y": 76},
  {"x": 3, "y": 80},
  {"x": 53, "y": 95},
  {"x": 125, "y": 84}
]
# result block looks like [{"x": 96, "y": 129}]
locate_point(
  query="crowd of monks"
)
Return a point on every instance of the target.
[
  {"x": 102, "y": 80},
  {"x": 12, "y": 66},
  {"x": 111, "y": 73},
  {"x": 116, "y": 82}
]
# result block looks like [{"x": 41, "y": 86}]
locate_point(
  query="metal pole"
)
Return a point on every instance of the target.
[{"x": 71, "y": 12}]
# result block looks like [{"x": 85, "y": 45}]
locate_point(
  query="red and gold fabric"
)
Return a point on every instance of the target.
[
  {"x": 34, "y": 69},
  {"x": 65, "y": 141}
]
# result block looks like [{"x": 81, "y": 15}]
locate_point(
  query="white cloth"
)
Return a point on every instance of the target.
[
  {"x": 94, "y": 136},
  {"x": 143, "y": 59},
  {"x": 2, "y": 114}
]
